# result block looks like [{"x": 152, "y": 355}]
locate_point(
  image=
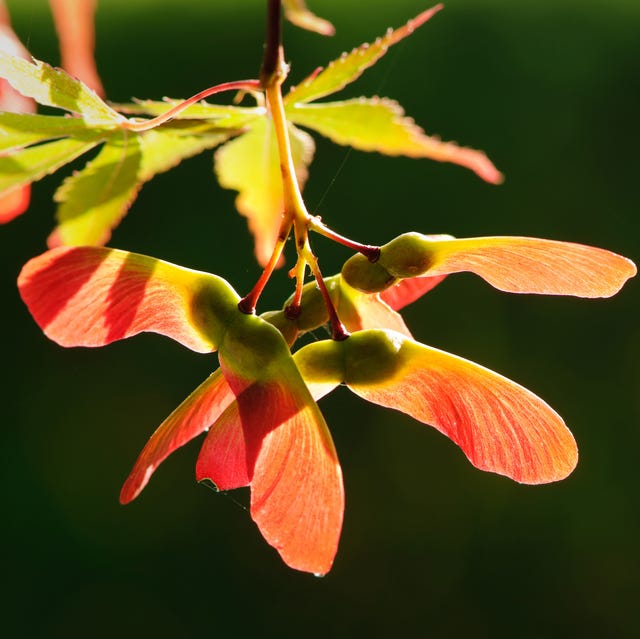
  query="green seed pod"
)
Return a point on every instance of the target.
[
  {"x": 322, "y": 363},
  {"x": 371, "y": 356},
  {"x": 408, "y": 255},
  {"x": 366, "y": 358},
  {"x": 253, "y": 348},
  {"x": 366, "y": 276},
  {"x": 213, "y": 306},
  {"x": 313, "y": 310},
  {"x": 286, "y": 326}
]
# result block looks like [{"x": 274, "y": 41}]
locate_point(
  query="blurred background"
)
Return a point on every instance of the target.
[{"x": 431, "y": 547}]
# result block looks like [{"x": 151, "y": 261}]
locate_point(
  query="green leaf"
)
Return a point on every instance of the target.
[
  {"x": 18, "y": 130},
  {"x": 250, "y": 165},
  {"x": 349, "y": 67},
  {"x": 227, "y": 117},
  {"x": 33, "y": 163},
  {"x": 54, "y": 87},
  {"x": 94, "y": 200},
  {"x": 379, "y": 124},
  {"x": 164, "y": 148}
]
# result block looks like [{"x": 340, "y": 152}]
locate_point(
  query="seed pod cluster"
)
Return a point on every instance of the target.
[{"x": 408, "y": 255}]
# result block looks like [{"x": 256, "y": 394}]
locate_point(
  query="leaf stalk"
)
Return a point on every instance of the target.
[{"x": 145, "y": 125}]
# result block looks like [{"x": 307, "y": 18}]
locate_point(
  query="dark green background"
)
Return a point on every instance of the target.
[{"x": 431, "y": 547}]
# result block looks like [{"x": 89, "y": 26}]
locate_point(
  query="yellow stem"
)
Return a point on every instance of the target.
[
  {"x": 294, "y": 207},
  {"x": 293, "y": 310},
  {"x": 295, "y": 212}
]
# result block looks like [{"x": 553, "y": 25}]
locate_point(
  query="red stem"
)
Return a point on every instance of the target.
[
  {"x": 372, "y": 253},
  {"x": 239, "y": 85},
  {"x": 248, "y": 303},
  {"x": 338, "y": 330}
]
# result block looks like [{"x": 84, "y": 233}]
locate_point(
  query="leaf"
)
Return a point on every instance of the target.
[
  {"x": 250, "y": 165},
  {"x": 165, "y": 147},
  {"x": 56, "y": 88},
  {"x": 76, "y": 32},
  {"x": 33, "y": 163},
  {"x": 194, "y": 416},
  {"x": 94, "y": 200},
  {"x": 350, "y": 66},
  {"x": 14, "y": 203},
  {"x": 92, "y": 296},
  {"x": 379, "y": 124},
  {"x": 18, "y": 130},
  {"x": 297, "y": 13},
  {"x": 11, "y": 100},
  {"x": 533, "y": 265}
]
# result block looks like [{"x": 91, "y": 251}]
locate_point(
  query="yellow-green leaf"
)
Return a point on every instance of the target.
[
  {"x": 33, "y": 163},
  {"x": 94, "y": 200},
  {"x": 56, "y": 88},
  {"x": 250, "y": 165},
  {"x": 18, "y": 130},
  {"x": 164, "y": 148},
  {"x": 349, "y": 67},
  {"x": 379, "y": 124}
]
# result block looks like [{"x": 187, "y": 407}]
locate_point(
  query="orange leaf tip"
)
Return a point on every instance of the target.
[{"x": 14, "y": 203}]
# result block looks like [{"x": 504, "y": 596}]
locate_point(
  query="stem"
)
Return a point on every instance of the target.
[
  {"x": 272, "y": 75},
  {"x": 248, "y": 304},
  {"x": 273, "y": 42},
  {"x": 292, "y": 311},
  {"x": 145, "y": 125},
  {"x": 372, "y": 253},
  {"x": 338, "y": 330},
  {"x": 294, "y": 207}
]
